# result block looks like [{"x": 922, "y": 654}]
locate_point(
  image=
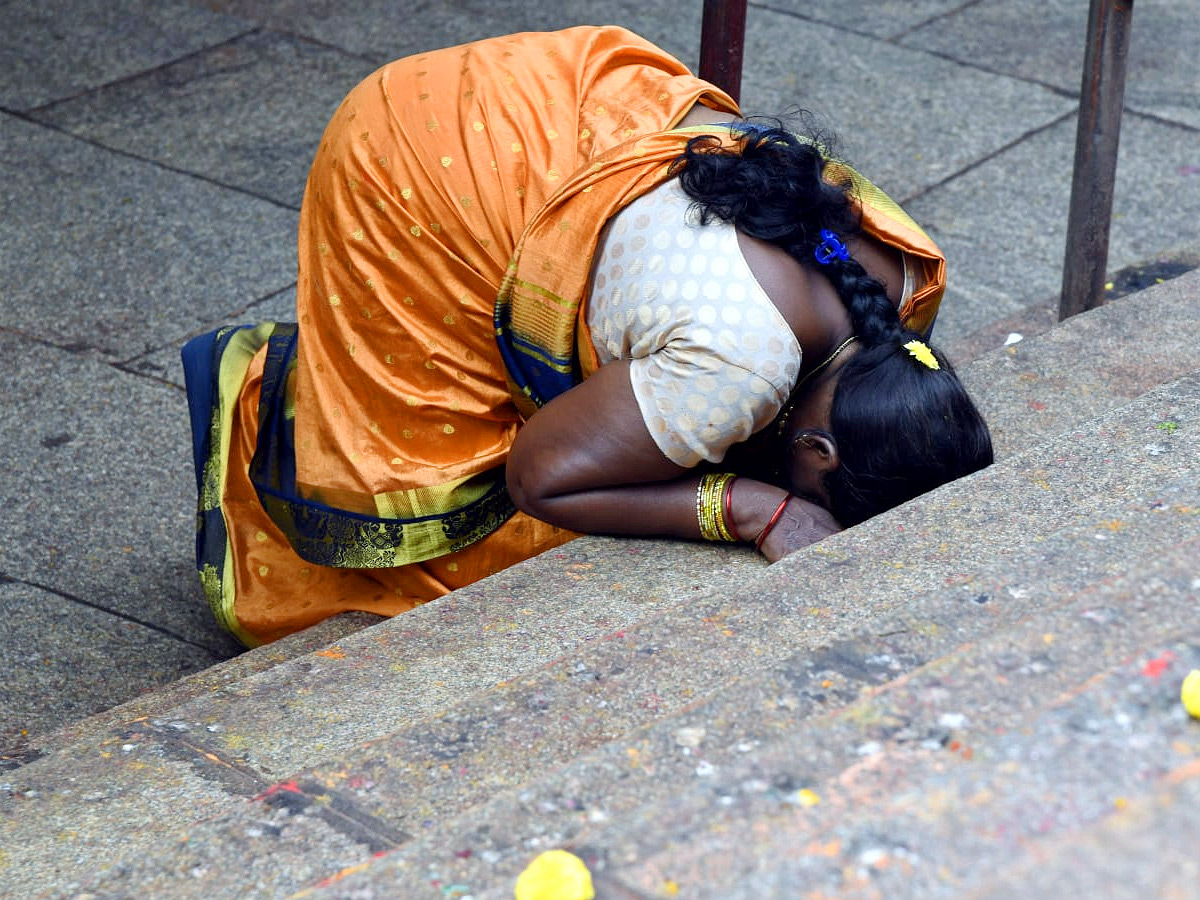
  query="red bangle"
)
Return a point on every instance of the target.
[
  {"x": 762, "y": 535},
  {"x": 729, "y": 511}
]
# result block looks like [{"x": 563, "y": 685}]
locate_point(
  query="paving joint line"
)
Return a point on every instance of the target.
[
  {"x": 939, "y": 17},
  {"x": 134, "y": 76},
  {"x": 157, "y": 164},
  {"x": 166, "y": 632},
  {"x": 977, "y": 163}
]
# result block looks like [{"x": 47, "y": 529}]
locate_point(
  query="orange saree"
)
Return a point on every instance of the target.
[{"x": 386, "y": 489}]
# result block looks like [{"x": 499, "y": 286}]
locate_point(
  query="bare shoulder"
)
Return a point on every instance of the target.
[{"x": 807, "y": 302}]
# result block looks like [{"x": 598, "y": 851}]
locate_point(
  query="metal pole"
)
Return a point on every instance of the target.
[
  {"x": 1101, "y": 96},
  {"x": 722, "y": 38}
]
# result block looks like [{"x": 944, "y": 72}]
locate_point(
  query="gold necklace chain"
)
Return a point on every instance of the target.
[{"x": 821, "y": 366}]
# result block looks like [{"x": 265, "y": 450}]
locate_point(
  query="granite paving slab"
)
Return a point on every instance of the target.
[
  {"x": 951, "y": 116},
  {"x": 1002, "y": 264},
  {"x": 378, "y": 30},
  {"x": 107, "y": 252},
  {"x": 165, "y": 364},
  {"x": 98, "y": 499},
  {"x": 888, "y": 19},
  {"x": 483, "y": 750},
  {"x": 1044, "y": 40},
  {"x": 248, "y": 113},
  {"x": 60, "y": 48},
  {"x": 64, "y": 660}
]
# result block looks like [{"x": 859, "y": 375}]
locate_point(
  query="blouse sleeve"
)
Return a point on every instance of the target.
[
  {"x": 711, "y": 359},
  {"x": 697, "y": 402}
]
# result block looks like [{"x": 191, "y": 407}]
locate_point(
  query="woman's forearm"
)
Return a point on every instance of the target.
[{"x": 663, "y": 509}]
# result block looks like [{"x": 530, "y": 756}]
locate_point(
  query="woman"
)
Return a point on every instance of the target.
[{"x": 567, "y": 224}]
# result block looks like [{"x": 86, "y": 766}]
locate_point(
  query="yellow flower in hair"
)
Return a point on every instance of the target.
[{"x": 921, "y": 353}]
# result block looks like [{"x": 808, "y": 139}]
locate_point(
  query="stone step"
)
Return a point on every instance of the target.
[
  {"x": 160, "y": 702},
  {"x": 1149, "y": 850},
  {"x": 1003, "y": 754},
  {"x": 1028, "y": 391},
  {"x": 1088, "y": 365},
  {"x": 252, "y": 732},
  {"x": 938, "y": 744},
  {"x": 239, "y": 734},
  {"x": 493, "y": 742}
]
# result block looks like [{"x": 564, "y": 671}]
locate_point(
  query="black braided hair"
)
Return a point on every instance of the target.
[{"x": 901, "y": 428}]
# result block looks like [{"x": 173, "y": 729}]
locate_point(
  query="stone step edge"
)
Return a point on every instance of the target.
[
  {"x": 162, "y": 699},
  {"x": 149, "y": 705}
]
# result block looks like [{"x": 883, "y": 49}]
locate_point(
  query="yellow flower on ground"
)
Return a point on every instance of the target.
[
  {"x": 1190, "y": 693},
  {"x": 922, "y": 354},
  {"x": 555, "y": 875},
  {"x": 807, "y": 797}
]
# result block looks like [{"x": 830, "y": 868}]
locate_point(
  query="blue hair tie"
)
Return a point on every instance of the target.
[{"x": 830, "y": 248}]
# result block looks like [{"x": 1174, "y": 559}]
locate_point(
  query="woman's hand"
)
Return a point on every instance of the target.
[{"x": 801, "y": 522}]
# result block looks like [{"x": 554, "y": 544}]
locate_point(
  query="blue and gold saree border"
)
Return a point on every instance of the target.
[{"x": 439, "y": 520}]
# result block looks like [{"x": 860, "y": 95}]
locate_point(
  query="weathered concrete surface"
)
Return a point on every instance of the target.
[
  {"x": 1038, "y": 388},
  {"x": 161, "y": 701},
  {"x": 1060, "y": 611}
]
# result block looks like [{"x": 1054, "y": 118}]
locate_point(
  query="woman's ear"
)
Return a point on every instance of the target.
[
  {"x": 821, "y": 446},
  {"x": 813, "y": 455}
]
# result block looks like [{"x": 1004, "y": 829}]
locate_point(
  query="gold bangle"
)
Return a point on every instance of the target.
[{"x": 710, "y": 507}]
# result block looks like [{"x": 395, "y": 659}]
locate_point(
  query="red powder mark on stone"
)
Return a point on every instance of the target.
[
  {"x": 289, "y": 786},
  {"x": 1155, "y": 667}
]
